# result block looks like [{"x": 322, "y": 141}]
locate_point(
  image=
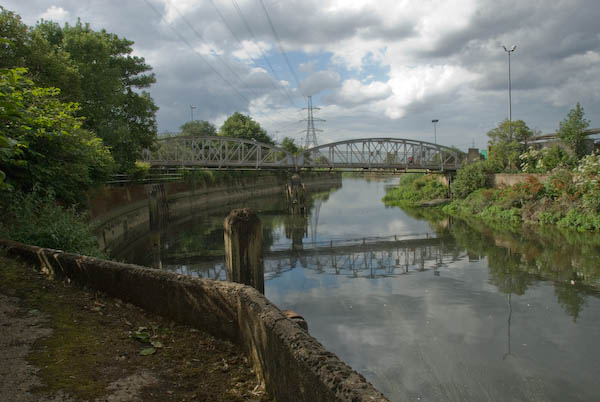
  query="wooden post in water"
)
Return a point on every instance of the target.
[{"x": 243, "y": 248}]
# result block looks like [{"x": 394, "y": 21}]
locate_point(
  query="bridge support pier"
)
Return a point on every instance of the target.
[
  {"x": 243, "y": 248},
  {"x": 295, "y": 193}
]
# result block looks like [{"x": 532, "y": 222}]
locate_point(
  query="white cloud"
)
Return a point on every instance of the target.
[
  {"x": 56, "y": 14},
  {"x": 319, "y": 81},
  {"x": 353, "y": 92}
]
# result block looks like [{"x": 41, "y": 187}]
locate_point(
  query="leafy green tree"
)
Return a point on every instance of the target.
[
  {"x": 571, "y": 130},
  {"x": 242, "y": 126},
  {"x": 289, "y": 145},
  {"x": 509, "y": 131},
  {"x": 198, "y": 128},
  {"x": 44, "y": 143},
  {"x": 508, "y": 141},
  {"x": 47, "y": 63},
  {"x": 93, "y": 68}
]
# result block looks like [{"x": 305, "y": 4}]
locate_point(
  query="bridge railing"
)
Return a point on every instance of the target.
[
  {"x": 381, "y": 153},
  {"x": 375, "y": 153},
  {"x": 217, "y": 151}
]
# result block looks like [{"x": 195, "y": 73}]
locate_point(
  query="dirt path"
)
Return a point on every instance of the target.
[{"x": 61, "y": 343}]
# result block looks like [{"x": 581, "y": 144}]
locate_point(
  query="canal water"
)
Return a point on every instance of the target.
[{"x": 426, "y": 307}]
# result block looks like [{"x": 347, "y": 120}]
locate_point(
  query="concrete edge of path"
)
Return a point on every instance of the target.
[{"x": 293, "y": 365}]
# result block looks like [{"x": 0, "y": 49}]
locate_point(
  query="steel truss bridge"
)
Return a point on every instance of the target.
[{"x": 368, "y": 153}]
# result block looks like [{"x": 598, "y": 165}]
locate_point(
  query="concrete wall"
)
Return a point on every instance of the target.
[
  {"x": 121, "y": 214},
  {"x": 510, "y": 179},
  {"x": 292, "y": 364}
]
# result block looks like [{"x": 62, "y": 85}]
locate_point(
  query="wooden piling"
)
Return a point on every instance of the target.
[{"x": 243, "y": 248}]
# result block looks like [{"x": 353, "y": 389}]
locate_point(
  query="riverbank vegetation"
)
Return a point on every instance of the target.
[
  {"x": 566, "y": 195},
  {"x": 413, "y": 189}
]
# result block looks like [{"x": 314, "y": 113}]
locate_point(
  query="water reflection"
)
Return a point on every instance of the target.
[{"x": 426, "y": 307}]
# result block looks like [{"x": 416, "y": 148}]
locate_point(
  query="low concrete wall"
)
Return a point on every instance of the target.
[
  {"x": 510, "y": 179},
  {"x": 292, "y": 364},
  {"x": 121, "y": 214}
]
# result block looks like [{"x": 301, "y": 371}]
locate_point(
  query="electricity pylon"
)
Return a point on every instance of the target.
[{"x": 311, "y": 131}]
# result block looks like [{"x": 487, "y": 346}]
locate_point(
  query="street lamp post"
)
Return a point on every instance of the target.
[
  {"x": 434, "y": 121},
  {"x": 509, "y": 51},
  {"x": 192, "y": 107}
]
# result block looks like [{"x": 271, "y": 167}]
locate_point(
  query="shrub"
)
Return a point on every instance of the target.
[
  {"x": 35, "y": 218},
  {"x": 413, "y": 188},
  {"x": 473, "y": 177}
]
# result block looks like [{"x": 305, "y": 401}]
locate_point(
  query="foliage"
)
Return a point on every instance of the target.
[
  {"x": 586, "y": 178},
  {"x": 92, "y": 68},
  {"x": 242, "y": 126},
  {"x": 507, "y": 142},
  {"x": 289, "y": 145},
  {"x": 571, "y": 130},
  {"x": 198, "y": 128},
  {"x": 44, "y": 143},
  {"x": 509, "y": 131},
  {"x": 544, "y": 160},
  {"x": 415, "y": 188},
  {"x": 472, "y": 177},
  {"x": 36, "y": 218}
]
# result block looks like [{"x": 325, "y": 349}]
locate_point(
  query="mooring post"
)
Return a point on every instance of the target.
[{"x": 243, "y": 248}]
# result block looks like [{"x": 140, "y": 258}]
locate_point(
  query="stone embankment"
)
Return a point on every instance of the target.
[
  {"x": 293, "y": 366},
  {"x": 120, "y": 215}
]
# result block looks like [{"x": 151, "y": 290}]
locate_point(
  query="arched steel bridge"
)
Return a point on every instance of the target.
[{"x": 366, "y": 153}]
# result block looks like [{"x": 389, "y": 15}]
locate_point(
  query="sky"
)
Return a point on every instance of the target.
[{"x": 382, "y": 68}]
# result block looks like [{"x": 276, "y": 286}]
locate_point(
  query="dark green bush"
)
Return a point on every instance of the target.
[
  {"x": 473, "y": 177},
  {"x": 35, "y": 218}
]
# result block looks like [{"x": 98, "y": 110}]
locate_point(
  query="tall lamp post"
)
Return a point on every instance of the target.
[
  {"x": 509, "y": 51},
  {"x": 434, "y": 121},
  {"x": 192, "y": 107}
]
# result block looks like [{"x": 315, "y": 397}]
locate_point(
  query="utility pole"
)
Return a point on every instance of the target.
[
  {"x": 311, "y": 131},
  {"x": 509, "y": 51},
  {"x": 192, "y": 107},
  {"x": 434, "y": 121}
]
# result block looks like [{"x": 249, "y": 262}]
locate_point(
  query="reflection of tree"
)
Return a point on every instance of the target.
[
  {"x": 571, "y": 297},
  {"x": 506, "y": 273},
  {"x": 517, "y": 260}
]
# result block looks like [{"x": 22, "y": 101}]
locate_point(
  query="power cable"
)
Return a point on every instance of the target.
[
  {"x": 212, "y": 68},
  {"x": 287, "y": 61},
  {"x": 227, "y": 66},
  {"x": 272, "y": 82},
  {"x": 263, "y": 55}
]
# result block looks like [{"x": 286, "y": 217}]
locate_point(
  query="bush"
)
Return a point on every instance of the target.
[
  {"x": 415, "y": 188},
  {"x": 544, "y": 160},
  {"x": 473, "y": 177},
  {"x": 37, "y": 219}
]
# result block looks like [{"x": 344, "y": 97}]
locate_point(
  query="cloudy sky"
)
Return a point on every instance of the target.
[{"x": 376, "y": 68}]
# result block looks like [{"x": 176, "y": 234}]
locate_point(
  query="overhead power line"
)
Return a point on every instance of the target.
[
  {"x": 285, "y": 91},
  {"x": 287, "y": 61},
  {"x": 227, "y": 66},
  {"x": 204, "y": 59},
  {"x": 184, "y": 40}
]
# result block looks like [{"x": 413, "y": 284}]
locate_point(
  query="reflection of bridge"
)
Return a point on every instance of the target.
[
  {"x": 357, "y": 259},
  {"x": 367, "y": 153}
]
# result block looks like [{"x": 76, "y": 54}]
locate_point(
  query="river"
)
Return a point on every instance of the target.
[{"x": 429, "y": 309}]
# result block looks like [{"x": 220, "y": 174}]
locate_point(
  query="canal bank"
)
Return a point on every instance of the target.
[{"x": 120, "y": 216}]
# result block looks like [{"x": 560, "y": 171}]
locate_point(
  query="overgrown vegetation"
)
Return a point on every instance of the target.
[
  {"x": 415, "y": 188},
  {"x": 36, "y": 218},
  {"x": 568, "y": 198}
]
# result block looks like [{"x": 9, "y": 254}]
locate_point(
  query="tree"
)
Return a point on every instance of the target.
[
  {"x": 92, "y": 68},
  {"x": 44, "y": 143},
  {"x": 198, "y": 128},
  {"x": 509, "y": 131},
  {"x": 289, "y": 145},
  {"x": 571, "y": 130},
  {"x": 242, "y": 126},
  {"x": 508, "y": 141}
]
